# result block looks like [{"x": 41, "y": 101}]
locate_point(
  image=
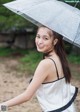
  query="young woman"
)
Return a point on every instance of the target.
[{"x": 51, "y": 81}]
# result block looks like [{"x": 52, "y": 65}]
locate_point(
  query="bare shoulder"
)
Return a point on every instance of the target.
[
  {"x": 43, "y": 69},
  {"x": 43, "y": 66},
  {"x": 45, "y": 63}
]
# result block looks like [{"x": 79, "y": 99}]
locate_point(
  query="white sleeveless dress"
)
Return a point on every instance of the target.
[{"x": 57, "y": 96}]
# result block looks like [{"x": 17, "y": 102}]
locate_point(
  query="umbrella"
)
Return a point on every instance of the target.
[{"x": 56, "y": 15}]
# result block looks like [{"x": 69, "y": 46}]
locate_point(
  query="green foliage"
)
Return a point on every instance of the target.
[
  {"x": 10, "y": 20},
  {"x": 74, "y": 61},
  {"x": 71, "y": 0},
  {"x": 68, "y": 47},
  {"x": 74, "y": 3},
  {"x": 28, "y": 58},
  {"x": 4, "y": 52},
  {"x": 74, "y": 58},
  {"x": 30, "y": 61}
]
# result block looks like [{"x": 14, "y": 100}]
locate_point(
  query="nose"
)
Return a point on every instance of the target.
[{"x": 40, "y": 40}]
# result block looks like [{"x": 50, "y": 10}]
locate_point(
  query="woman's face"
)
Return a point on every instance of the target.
[{"x": 44, "y": 40}]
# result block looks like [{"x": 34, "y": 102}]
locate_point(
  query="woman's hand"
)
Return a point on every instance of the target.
[{"x": 39, "y": 76}]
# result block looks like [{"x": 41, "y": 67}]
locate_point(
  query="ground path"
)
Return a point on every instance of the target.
[{"x": 12, "y": 84}]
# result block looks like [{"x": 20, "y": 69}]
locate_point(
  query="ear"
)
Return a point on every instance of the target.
[{"x": 55, "y": 42}]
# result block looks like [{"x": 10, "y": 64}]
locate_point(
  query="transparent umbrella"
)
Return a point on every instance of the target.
[{"x": 56, "y": 15}]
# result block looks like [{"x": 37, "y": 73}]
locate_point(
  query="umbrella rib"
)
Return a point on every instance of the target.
[
  {"x": 76, "y": 3},
  {"x": 35, "y": 3},
  {"x": 76, "y": 35},
  {"x": 58, "y": 16}
]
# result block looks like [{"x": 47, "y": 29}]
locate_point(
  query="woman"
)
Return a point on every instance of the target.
[{"x": 51, "y": 81}]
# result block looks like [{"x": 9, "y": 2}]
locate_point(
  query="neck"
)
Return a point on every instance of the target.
[{"x": 49, "y": 53}]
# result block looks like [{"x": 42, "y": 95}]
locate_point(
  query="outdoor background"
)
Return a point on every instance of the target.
[{"x": 19, "y": 58}]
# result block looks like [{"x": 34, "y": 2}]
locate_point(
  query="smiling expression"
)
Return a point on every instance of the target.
[{"x": 43, "y": 40}]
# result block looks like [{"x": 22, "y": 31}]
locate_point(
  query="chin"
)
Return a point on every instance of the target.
[{"x": 39, "y": 50}]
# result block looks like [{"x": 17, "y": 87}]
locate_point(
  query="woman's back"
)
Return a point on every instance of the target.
[
  {"x": 55, "y": 69},
  {"x": 56, "y": 94}
]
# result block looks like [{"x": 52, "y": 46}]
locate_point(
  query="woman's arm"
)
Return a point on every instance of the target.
[
  {"x": 17, "y": 100},
  {"x": 39, "y": 76}
]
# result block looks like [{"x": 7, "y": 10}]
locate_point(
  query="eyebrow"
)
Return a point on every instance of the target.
[{"x": 43, "y": 35}]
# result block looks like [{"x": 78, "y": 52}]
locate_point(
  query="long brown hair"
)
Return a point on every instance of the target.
[
  {"x": 59, "y": 48},
  {"x": 60, "y": 51}
]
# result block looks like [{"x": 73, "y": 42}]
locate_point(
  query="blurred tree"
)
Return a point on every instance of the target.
[
  {"x": 69, "y": 47},
  {"x": 10, "y": 20}
]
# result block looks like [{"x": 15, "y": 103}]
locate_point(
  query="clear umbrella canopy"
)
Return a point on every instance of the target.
[{"x": 56, "y": 15}]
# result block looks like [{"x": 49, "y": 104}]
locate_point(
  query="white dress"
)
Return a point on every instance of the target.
[{"x": 57, "y": 96}]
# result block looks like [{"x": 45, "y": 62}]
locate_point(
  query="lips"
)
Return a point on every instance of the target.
[{"x": 40, "y": 46}]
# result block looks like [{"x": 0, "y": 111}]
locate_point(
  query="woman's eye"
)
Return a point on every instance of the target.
[
  {"x": 37, "y": 36},
  {"x": 45, "y": 38}
]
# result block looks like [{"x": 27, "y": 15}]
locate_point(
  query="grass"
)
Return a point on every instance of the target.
[
  {"x": 4, "y": 52},
  {"x": 75, "y": 74},
  {"x": 75, "y": 59},
  {"x": 29, "y": 59}
]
